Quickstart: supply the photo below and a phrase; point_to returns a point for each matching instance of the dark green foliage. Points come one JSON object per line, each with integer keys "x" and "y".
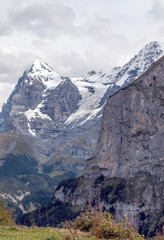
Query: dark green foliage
{"x": 119, "y": 193}
{"x": 20, "y": 173}
{"x": 68, "y": 184}
{"x": 142, "y": 216}
{"x": 105, "y": 192}
{"x": 113, "y": 190}
{"x": 17, "y": 165}
{"x": 50, "y": 215}
{"x": 48, "y": 169}
{"x": 99, "y": 180}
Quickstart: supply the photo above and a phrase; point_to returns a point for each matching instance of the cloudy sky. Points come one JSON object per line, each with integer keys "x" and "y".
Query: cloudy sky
{"x": 74, "y": 36}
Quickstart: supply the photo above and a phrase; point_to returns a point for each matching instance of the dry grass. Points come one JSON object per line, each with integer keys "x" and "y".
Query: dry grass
{"x": 159, "y": 236}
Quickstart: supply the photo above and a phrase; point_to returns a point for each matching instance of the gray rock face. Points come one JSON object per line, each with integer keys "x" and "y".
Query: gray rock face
{"x": 139, "y": 198}
{"x": 131, "y": 136}
{"x": 62, "y": 101}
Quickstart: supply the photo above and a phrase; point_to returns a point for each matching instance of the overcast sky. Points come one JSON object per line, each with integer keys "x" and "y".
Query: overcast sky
{"x": 74, "y": 36}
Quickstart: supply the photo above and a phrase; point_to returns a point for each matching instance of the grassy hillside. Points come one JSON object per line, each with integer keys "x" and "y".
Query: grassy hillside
{"x": 24, "y": 233}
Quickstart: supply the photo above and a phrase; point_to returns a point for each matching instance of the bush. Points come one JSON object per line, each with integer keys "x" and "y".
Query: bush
{"x": 159, "y": 236}
{"x": 101, "y": 225}
{"x": 6, "y": 215}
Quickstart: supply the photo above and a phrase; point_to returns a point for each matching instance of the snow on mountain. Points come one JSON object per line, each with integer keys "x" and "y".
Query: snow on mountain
{"x": 91, "y": 92}
{"x": 41, "y": 71}
{"x": 93, "y": 86}
{"x": 140, "y": 63}
{"x": 46, "y": 106}
{"x": 30, "y": 94}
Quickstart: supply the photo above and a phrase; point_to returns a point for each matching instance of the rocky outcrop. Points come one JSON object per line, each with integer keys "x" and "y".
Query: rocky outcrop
{"x": 140, "y": 199}
{"x": 62, "y": 101}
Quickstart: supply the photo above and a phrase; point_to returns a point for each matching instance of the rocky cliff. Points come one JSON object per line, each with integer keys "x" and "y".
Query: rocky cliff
{"x": 128, "y": 167}
{"x": 131, "y": 136}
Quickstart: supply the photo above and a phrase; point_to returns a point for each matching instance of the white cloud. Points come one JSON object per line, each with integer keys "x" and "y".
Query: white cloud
{"x": 74, "y": 36}
{"x": 155, "y": 20}
{"x": 157, "y": 11}
{"x": 5, "y": 91}
{"x": 13, "y": 62}
{"x": 42, "y": 18}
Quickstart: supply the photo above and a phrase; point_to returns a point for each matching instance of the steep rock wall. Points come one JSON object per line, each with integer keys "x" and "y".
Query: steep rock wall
{"x": 131, "y": 138}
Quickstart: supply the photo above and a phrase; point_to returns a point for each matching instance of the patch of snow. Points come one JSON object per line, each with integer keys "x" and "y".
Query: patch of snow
{"x": 22, "y": 195}
{"x": 92, "y": 115}
{"x": 100, "y": 116}
{"x": 36, "y": 113}
{"x": 22, "y": 208}
{"x": 30, "y": 130}
{"x": 33, "y": 207}
{"x": 32, "y": 114}
{"x": 40, "y": 71}
{"x": 90, "y": 101}
{"x": 122, "y": 79}
{"x": 17, "y": 197}
{"x": 8, "y": 196}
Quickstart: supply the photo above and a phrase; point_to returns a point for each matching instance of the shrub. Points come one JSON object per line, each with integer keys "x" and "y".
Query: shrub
{"x": 101, "y": 225}
{"x": 6, "y": 215}
{"x": 159, "y": 236}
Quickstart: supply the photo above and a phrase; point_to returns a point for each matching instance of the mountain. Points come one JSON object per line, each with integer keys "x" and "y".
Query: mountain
{"x": 53, "y": 122}
{"x": 128, "y": 167}
{"x": 55, "y": 113}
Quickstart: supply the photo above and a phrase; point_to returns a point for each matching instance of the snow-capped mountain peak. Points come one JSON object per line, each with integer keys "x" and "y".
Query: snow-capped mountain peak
{"x": 94, "y": 85}
{"x": 138, "y": 64}
{"x": 152, "y": 48}
{"x": 41, "y": 71}
{"x": 149, "y": 54}
{"x": 39, "y": 65}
